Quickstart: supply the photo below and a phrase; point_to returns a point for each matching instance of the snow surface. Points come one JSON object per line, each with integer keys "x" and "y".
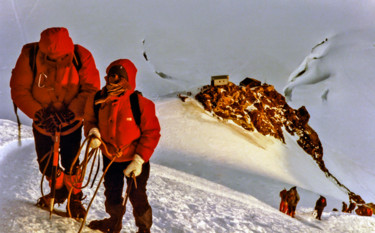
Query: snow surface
{"x": 207, "y": 175}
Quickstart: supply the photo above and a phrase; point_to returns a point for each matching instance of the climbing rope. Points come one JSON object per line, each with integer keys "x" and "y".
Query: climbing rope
{"x": 102, "y": 177}
{"x": 88, "y": 156}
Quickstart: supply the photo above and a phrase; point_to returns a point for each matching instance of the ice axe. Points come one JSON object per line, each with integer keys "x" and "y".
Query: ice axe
{"x": 127, "y": 193}
{"x": 128, "y": 188}
{"x": 55, "y": 163}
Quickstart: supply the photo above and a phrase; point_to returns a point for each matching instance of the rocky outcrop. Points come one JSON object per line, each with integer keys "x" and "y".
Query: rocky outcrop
{"x": 257, "y": 106}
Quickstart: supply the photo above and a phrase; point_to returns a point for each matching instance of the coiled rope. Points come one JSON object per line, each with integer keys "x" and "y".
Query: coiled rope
{"x": 88, "y": 156}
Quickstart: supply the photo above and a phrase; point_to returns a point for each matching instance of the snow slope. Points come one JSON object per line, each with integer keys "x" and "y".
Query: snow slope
{"x": 336, "y": 84}
{"x": 181, "y": 202}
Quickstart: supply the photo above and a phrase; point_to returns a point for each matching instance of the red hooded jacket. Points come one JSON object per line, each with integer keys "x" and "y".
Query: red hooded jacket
{"x": 116, "y": 123}
{"x": 55, "y": 83}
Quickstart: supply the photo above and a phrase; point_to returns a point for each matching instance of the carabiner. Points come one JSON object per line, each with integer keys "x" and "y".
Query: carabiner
{"x": 42, "y": 75}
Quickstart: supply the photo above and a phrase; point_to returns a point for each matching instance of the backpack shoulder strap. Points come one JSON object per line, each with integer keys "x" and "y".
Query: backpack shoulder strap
{"x": 96, "y": 106}
{"x": 134, "y": 102}
{"x": 32, "y": 57}
{"x": 76, "y": 59}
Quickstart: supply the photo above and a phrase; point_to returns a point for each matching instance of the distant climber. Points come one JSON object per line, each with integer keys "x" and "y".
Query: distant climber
{"x": 363, "y": 210}
{"x": 292, "y": 198}
{"x": 352, "y": 206}
{"x": 344, "y": 207}
{"x": 283, "y": 204}
{"x": 320, "y": 204}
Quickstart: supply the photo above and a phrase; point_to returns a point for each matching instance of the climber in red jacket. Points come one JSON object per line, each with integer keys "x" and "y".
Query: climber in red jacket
{"x": 283, "y": 203}
{"x": 129, "y": 143}
{"x": 320, "y": 204}
{"x": 50, "y": 84}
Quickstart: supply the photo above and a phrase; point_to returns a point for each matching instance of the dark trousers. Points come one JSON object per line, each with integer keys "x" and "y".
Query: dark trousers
{"x": 114, "y": 185}
{"x": 69, "y": 146}
{"x": 319, "y": 212}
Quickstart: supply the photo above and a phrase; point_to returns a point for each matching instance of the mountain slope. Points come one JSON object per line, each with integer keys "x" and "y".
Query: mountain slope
{"x": 244, "y": 161}
{"x": 180, "y": 201}
{"x": 335, "y": 83}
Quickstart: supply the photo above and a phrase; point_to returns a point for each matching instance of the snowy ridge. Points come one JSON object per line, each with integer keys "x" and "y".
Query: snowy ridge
{"x": 310, "y": 70}
{"x": 341, "y": 103}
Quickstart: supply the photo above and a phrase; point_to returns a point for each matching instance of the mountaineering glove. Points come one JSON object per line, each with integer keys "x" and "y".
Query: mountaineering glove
{"x": 65, "y": 116}
{"x": 135, "y": 166}
{"x": 46, "y": 120}
{"x": 95, "y": 142}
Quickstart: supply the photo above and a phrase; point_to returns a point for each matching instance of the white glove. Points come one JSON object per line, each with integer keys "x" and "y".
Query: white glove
{"x": 135, "y": 166}
{"x": 95, "y": 142}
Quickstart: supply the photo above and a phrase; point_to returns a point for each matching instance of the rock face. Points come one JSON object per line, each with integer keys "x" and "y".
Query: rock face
{"x": 257, "y": 106}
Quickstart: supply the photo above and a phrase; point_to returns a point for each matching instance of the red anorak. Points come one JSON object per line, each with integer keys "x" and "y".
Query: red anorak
{"x": 55, "y": 83}
{"x": 117, "y": 126}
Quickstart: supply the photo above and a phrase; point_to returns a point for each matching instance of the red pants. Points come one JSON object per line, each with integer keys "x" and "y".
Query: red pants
{"x": 283, "y": 207}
